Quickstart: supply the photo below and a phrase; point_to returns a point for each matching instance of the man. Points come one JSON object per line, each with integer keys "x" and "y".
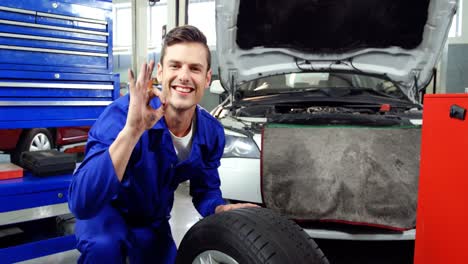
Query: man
{"x": 141, "y": 147}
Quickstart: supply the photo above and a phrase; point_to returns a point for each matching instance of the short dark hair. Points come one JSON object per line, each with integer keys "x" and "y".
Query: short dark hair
{"x": 182, "y": 34}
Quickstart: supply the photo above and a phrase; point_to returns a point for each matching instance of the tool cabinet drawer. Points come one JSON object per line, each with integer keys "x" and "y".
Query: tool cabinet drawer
{"x": 62, "y": 34}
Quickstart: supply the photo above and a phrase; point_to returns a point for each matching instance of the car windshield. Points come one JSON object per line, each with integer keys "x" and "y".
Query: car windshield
{"x": 328, "y": 83}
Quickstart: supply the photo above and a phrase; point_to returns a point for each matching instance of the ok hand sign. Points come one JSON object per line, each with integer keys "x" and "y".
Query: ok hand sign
{"x": 141, "y": 116}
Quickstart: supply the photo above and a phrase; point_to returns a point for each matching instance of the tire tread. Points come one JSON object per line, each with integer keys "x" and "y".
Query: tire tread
{"x": 270, "y": 237}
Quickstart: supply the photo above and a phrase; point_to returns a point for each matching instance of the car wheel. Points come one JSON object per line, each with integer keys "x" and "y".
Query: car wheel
{"x": 248, "y": 236}
{"x": 32, "y": 140}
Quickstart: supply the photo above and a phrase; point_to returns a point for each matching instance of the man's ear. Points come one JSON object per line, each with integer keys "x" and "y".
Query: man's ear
{"x": 159, "y": 73}
{"x": 208, "y": 78}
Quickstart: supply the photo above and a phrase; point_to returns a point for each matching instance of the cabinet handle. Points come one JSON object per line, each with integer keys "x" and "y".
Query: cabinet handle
{"x": 457, "y": 112}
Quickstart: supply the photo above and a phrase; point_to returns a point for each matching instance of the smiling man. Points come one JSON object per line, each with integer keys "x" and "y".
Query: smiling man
{"x": 143, "y": 145}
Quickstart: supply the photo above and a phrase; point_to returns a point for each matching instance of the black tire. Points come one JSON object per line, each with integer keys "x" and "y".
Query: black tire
{"x": 26, "y": 141}
{"x": 250, "y": 236}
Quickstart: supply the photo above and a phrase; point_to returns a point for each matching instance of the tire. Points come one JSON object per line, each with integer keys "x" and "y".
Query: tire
{"x": 32, "y": 140}
{"x": 248, "y": 236}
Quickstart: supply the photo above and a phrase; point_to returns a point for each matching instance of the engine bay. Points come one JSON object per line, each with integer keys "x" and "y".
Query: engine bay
{"x": 366, "y": 115}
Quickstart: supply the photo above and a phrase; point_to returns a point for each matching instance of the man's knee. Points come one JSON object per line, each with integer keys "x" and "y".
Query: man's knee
{"x": 102, "y": 249}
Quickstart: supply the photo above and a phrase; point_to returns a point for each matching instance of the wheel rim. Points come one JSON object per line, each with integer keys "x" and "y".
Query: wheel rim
{"x": 214, "y": 257}
{"x": 39, "y": 142}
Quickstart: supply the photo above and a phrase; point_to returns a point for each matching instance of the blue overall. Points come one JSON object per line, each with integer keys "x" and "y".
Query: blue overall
{"x": 124, "y": 219}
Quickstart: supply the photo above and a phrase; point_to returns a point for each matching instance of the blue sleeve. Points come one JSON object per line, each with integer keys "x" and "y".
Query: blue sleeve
{"x": 95, "y": 182}
{"x": 205, "y": 188}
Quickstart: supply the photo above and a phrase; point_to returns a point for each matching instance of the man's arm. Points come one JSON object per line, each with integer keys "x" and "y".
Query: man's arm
{"x": 121, "y": 150}
{"x": 141, "y": 116}
{"x": 205, "y": 189}
{"x": 95, "y": 181}
{"x": 110, "y": 145}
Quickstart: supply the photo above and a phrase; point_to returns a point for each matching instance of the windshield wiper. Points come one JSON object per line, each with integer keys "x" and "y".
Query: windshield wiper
{"x": 329, "y": 91}
{"x": 356, "y": 91}
{"x": 402, "y": 105}
{"x": 291, "y": 91}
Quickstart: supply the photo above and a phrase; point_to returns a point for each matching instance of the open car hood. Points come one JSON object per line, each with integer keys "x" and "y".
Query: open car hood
{"x": 397, "y": 39}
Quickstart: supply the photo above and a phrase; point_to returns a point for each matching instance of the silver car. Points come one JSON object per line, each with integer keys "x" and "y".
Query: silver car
{"x": 323, "y": 109}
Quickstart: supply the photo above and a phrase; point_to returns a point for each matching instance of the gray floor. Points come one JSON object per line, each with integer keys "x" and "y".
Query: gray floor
{"x": 183, "y": 214}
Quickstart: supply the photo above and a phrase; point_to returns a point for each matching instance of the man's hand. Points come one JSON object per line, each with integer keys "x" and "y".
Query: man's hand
{"x": 141, "y": 116}
{"x": 227, "y": 207}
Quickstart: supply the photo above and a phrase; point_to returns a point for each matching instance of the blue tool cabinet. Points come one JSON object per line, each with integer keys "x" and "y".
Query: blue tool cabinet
{"x": 56, "y": 70}
{"x": 30, "y": 199}
{"x": 56, "y": 64}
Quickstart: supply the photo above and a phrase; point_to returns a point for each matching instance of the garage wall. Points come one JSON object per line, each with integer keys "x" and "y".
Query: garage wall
{"x": 457, "y": 68}
{"x": 453, "y": 67}
{"x": 463, "y": 38}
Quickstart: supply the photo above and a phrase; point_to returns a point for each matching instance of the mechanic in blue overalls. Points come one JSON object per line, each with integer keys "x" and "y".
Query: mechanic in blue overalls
{"x": 140, "y": 149}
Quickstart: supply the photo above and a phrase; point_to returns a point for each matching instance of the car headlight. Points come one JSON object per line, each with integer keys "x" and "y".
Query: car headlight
{"x": 240, "y": 147}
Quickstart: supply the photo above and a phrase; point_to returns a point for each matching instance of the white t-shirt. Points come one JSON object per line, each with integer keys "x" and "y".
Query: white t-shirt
{"x": 183, "y": 145}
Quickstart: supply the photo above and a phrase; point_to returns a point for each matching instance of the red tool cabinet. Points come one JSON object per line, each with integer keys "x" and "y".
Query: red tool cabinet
{"x": 442, "y": 213}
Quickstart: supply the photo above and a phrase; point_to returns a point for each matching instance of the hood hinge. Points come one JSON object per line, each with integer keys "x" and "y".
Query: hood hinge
{"x": 415, "y": 73}
{"x": 232, "y": 82}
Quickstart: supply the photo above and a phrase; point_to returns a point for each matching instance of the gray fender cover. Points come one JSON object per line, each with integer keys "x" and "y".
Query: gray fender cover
{"x": 358, "y": 175}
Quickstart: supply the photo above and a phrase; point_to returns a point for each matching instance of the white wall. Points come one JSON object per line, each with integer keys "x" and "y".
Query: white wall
{"x": 462, "y": 39}
{"x": 464, "y": 22}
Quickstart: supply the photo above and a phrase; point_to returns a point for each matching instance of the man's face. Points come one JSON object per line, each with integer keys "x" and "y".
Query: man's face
{"x": 184, "y": 75}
